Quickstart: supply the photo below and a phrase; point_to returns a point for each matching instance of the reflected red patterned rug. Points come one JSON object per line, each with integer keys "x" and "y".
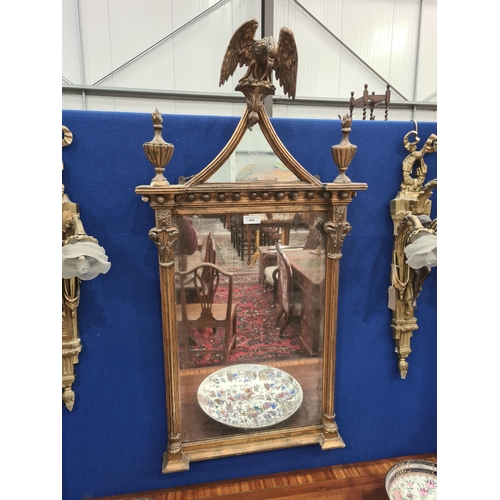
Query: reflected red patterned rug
{"x": 257, "y": 335}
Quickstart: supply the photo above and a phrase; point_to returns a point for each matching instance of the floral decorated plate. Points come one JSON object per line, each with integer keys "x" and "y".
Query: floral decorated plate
{"x": 249, "y": 396}
{"x": 412, "y": 479}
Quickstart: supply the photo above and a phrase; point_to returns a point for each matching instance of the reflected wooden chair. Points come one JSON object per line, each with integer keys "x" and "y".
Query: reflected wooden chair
{"x": 270, "y": 273}
{"x": 269, "y": 267}
{"x": 246, "y": 241}
{"x": 204, "y": 312}
{"x": 238, "y": 229}
{"x": 270, "y": 235}
{"x": 210, "y": 250}
{"x": 194, "y": 260}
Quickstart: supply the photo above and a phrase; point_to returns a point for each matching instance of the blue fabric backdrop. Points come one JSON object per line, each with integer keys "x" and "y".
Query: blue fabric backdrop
{"x": 114, "y": 438}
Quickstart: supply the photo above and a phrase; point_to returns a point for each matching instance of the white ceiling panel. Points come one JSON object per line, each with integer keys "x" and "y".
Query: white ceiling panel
{"x": 183, "y": 12}
{"x": 71, "y": 65}
{"x": 423, "y": 115}
{"x": 136, "y": 26}
{"x": 72, "y": 101}
{"x": 404, "y": 46}
{"x": 327, "y": 68}
{"x": 241, "y": 11}
{"x": 197, "y": 50}
{"x": 154, "y": 70}
{"x": 329, "y": 13}
{"x": 366, "y": 30}
{"x": 427, "y": 68}
{"x": 318, "y": 72}
{"x": 95, "y": 40}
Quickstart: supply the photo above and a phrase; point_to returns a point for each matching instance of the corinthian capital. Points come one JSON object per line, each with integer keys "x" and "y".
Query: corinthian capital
{"x": 164, "y": 239}
{"x": 335, "y": 233}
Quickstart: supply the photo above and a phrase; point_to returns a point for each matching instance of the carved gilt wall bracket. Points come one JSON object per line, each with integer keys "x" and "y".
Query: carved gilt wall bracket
{"x": 415, "y": 244}
{"x": 82, "y": 259}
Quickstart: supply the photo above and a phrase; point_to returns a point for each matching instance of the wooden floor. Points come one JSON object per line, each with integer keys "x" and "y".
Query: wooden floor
{"x": 359, "y": 481}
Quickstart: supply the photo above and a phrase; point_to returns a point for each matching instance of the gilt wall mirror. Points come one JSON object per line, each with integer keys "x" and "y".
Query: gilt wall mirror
{"x": 249, "y": 251}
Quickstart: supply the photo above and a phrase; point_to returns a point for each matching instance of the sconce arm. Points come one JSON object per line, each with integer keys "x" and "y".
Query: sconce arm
{"x": 417, "y": 224}
{"x": 418, "y": 227}
{"x": 74, "y": 230}
{"x": 424, "y": 196}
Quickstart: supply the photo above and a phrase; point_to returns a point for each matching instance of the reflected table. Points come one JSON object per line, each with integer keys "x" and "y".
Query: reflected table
{"x": 282, "y": 223}
{"x": 308, "y": 269}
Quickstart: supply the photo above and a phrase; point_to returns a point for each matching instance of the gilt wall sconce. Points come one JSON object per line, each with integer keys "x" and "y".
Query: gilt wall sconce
{"x": 82, "y": 259}
{"x": 415, "y": 243}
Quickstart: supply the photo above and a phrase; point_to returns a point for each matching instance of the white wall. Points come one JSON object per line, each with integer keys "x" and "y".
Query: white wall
{"x": 355, "y": 42}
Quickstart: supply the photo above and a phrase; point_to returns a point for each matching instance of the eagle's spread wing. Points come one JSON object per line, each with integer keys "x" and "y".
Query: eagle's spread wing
{"x": 239, "y": 50}
{"x": 286, "y": 62}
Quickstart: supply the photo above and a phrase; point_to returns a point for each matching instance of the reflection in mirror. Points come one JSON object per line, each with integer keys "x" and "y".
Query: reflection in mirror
{"x": 253, "y": 159}
{"x": 249, "y": 290}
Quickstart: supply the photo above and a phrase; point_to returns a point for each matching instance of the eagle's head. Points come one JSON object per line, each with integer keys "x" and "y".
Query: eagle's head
{"x": 261, "y": 49}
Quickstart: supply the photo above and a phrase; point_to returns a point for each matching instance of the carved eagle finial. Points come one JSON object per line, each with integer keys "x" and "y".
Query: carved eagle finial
{"x": 262, "y": 57}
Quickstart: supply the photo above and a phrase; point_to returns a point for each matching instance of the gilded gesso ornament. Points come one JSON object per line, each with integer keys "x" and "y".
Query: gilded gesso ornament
{"x": 339, "y": 213}
{"x": 262, "y": 57}
{"x": 164, "y": 239}
{"x": 158, "y": 151}
{"x": 414, "y": 176}
{"x": 67, "y": 136}
{"x": 410, "y": 212}
{"x": 163, "y": 218}
{"x": 336, "y": 233}
{"x": 77, "y": 248}
{"x": 344, "y": 151}
{"x": 71, "y": 345}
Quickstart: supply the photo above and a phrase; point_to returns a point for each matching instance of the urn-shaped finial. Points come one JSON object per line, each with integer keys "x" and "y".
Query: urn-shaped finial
{"x": 344, "y": 151}
{"x": 158, "y": 151}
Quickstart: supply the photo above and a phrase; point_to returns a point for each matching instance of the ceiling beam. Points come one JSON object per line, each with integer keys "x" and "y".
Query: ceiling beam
{"x": 94, "y": 90}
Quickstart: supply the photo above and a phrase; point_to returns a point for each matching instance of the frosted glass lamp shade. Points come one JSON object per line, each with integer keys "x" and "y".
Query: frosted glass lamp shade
{"x": 422, "y": 251}
{"x": 84, "y": 259}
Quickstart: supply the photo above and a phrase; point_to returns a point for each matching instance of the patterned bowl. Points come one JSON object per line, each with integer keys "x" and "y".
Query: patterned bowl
{"x": 412, "y": 479}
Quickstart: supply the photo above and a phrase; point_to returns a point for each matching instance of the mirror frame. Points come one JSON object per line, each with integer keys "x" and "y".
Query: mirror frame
{"x": 196, "y": 197}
